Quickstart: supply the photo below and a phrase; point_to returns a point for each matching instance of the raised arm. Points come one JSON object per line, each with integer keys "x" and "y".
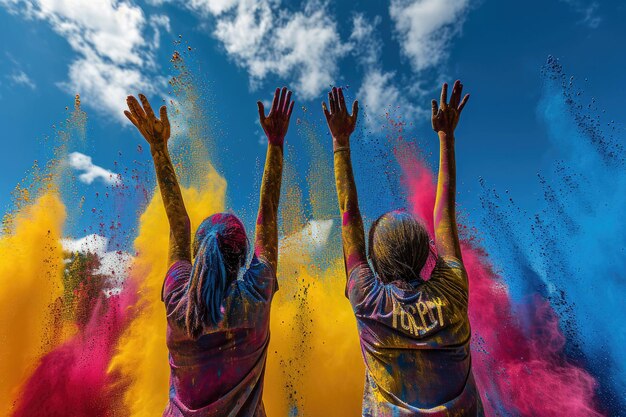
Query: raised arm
{"x": 445, "y": 119}
{"x": 157, "y": 132}
{"x": 341, "y": 125}
{"x": 275, "y": 126}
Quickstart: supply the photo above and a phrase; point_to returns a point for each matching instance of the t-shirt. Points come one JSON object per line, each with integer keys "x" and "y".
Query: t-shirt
{"x": 415, "y": 343}
{"x": 220, "y": 373}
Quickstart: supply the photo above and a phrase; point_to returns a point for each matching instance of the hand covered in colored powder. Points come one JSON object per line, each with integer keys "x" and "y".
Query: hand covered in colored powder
{"x": 340, "y": 123}
{"x": 446, "y": 117}
{"x": 156, "y": 131}
{"x": 276, "y": 123}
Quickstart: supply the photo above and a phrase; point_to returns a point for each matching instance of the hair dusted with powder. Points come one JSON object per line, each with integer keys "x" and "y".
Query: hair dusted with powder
{"x": 220, "y": 248}
{"x": 399, "y": 246}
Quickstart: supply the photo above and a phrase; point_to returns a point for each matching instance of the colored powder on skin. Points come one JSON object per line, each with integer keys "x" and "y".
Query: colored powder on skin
{"x": 142, "y": 355}
{"x": 31, "y": 264}
{"x": 520, "y": 371}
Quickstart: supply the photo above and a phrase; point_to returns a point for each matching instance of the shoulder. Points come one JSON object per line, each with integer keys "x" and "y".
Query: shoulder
{"x": 450, "y": 276}
{"x": 178, "y": 270}
{"x": 452, "y": 262}
{"x": 176, "y": 277}
{"x": 362, "y": 283}
{"x": 360, "y": 270}
{"x": 260, "y": 265}
{"x": 181, "y": 266}
{"x": 260, "y": 279}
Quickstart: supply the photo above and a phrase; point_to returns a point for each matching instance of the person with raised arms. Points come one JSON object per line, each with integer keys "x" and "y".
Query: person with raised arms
{"x": 414, "y": 333}
{"x": 217, "y": 323}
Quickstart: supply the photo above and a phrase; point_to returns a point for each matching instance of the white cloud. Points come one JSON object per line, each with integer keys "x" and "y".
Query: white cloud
{"x": 588, "y": 10}
{"x": 215, "y": 7}
{"x": 425, "y": 28}
{"x": 91, "y": 243}
{"x": 82, "y": 162}
{"x": 113, "y": 264}
{"x": 109, "y": 37}
{"x": 264, "y": 39}
{"x": 381, "y": 95}
{"x": 367, "y": 45}
{"x": 105, "y": 85}
{"x": 302, "y": 46}
{"x": 21, "y": 78}
{"x": 308, "y": 241}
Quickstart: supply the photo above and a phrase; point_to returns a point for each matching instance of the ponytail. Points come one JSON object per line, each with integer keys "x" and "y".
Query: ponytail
{"x": 219, "y": 249}
{"x": 207, "y": 286}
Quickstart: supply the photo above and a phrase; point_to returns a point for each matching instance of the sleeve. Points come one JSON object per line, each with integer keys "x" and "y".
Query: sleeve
{"x": 260, "y": 279}
{"x": 450, "y": 278}
{"x": 362, "y": 285}
{"x": 175, "y": 284}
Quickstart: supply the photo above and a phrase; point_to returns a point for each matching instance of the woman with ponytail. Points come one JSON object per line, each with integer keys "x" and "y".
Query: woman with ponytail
{"x": 217, "y": 322}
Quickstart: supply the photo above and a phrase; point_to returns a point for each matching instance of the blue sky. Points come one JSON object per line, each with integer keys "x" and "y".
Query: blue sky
{"x": 391, "y": 54}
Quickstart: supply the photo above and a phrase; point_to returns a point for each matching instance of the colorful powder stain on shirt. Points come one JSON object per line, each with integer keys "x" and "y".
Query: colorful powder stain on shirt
{"x": 416, "y": 343}
{"x": 221, "y": 372}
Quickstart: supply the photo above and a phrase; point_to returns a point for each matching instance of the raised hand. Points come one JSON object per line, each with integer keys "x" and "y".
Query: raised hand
{"x": 276, "y": 123}
{"x": 446, "y": 117}
{"x": 340, "y": 123}
{"x": 156, "y": 131}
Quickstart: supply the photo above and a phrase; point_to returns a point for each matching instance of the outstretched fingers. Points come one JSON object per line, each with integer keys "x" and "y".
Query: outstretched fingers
{"x": 135, "y": 108}
{"x": 131, "y": 118}
{"x": 281, "y": 102}
{"x": 435, "y": 107}
{"x": 331, "y": 103}
{"x": 336, "y": 99}
{"x": 355, "y": 110}
{"x": 275, "y": 101}
{"x": 165, "y": 121}
{"x": 261, "y": 110}
{"x": 455, "y": 97}
{"x": 287, "y": 102}
{"x": 342, "y": 100}
{"x": 326, "y": 112}
{"x": 147, "y": 107}
{"x": 444, "y": 96}
{"x": 463, "y": 103}
{"x": 290, "y": 110}
{"x": 163, "y": 115}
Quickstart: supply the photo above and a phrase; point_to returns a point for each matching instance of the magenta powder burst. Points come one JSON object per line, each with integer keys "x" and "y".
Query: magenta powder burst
{"x": 520, "y": 368}
{"x": 73, "y": 379}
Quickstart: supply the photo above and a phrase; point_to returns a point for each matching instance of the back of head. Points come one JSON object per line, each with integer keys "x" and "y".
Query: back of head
{"x": 220, "y": 249}
{"x": 399, "y": 246}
